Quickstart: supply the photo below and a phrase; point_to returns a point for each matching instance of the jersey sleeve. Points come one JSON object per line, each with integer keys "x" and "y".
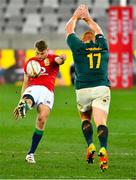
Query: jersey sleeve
{"x": 53, "y": 56}
{"x": 101, "y": 41}
{"x": 52, "y": 59}
{"x": 74, "y": 42}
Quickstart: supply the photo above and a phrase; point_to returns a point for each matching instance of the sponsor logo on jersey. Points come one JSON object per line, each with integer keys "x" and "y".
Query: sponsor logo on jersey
{"x": 43, "y": 71}
{"x": 94, "y": 49}
{"x": 46, "y": 62}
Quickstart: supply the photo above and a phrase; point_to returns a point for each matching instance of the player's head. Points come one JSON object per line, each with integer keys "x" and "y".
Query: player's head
{"x": 88, "y": 36}
{"x": 41, "y": 49}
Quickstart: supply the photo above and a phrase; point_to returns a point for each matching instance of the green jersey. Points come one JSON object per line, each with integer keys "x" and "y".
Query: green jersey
{"x": 91, "y": 61}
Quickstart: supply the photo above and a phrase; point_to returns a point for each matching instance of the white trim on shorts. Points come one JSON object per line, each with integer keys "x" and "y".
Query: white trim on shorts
{"x": 41, "y": 95}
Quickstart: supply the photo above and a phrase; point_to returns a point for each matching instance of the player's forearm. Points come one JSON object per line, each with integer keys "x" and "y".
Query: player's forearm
{"x": 60, "y": 59}
{"x": 71, "y": 24}
{"x": 24, "y": 85}
{"x": 94, "y": 26}
{"x": 23, "y": 88}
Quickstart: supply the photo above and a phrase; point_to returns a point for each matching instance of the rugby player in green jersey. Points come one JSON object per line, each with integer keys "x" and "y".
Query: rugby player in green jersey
{"x": 91, "y": 55}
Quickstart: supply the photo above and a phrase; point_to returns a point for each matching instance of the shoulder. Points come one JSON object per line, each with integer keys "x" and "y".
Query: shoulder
{"x": 101, "y": 41}
{"x": 32, "y": 58}
{"x": 73, "y": 41}
{"x": 100, "y": 37}
{"x": 52, "y": 56}
{"x": 71, "y": 36}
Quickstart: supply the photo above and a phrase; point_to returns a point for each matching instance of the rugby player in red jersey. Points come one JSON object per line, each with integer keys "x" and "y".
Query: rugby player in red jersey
{"x": 39, "y": 92}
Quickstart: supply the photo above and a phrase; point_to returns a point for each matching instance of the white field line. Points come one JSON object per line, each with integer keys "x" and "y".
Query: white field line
{"x": 64, "y": 178}
{"x": 68, "y": 152}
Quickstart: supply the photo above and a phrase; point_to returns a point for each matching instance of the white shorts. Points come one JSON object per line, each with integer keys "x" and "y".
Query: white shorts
{"x": 98, "y": 97}
{"x": 41, "y": 95}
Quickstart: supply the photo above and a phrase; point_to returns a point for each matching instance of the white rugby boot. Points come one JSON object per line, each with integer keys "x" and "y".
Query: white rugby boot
{"x": 30, "y": 158}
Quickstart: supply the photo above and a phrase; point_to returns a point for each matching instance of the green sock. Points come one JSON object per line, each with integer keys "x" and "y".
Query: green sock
{"x": 35, "y": 140}
{"x": 102, "y": 132}
{"x": 87, "y": 131}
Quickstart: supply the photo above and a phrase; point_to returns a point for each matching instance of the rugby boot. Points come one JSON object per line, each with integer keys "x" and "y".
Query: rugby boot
{"x": 90, "y": 154}
{"x": 103, "y": 159}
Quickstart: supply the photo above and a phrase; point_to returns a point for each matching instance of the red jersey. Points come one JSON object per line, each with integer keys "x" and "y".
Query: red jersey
{"x": 49, "y": 71}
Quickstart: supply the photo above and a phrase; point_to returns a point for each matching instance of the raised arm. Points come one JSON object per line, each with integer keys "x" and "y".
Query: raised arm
{"x": 91, "y": 23}
{"x": 71, "y": 24}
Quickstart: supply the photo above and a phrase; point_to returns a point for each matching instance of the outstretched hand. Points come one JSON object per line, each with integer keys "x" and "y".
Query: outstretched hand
{"x": 63, "y": 56}
{"x": 85, "y": 15}
{"x": 80, "y": 11}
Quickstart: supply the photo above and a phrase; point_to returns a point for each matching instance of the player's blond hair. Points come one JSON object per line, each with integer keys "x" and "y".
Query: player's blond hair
{"x": 92, "y": 35}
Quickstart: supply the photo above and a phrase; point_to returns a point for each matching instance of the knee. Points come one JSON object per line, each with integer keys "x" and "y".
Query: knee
{"x": 85, "y": 117}
{"x": 101, "y": 122}
{"x": 29, "y": 99}
{"x": 41, "y": 121}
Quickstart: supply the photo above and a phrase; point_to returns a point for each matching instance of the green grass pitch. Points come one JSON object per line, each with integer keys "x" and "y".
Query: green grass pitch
{"x": 61, "y": 153}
